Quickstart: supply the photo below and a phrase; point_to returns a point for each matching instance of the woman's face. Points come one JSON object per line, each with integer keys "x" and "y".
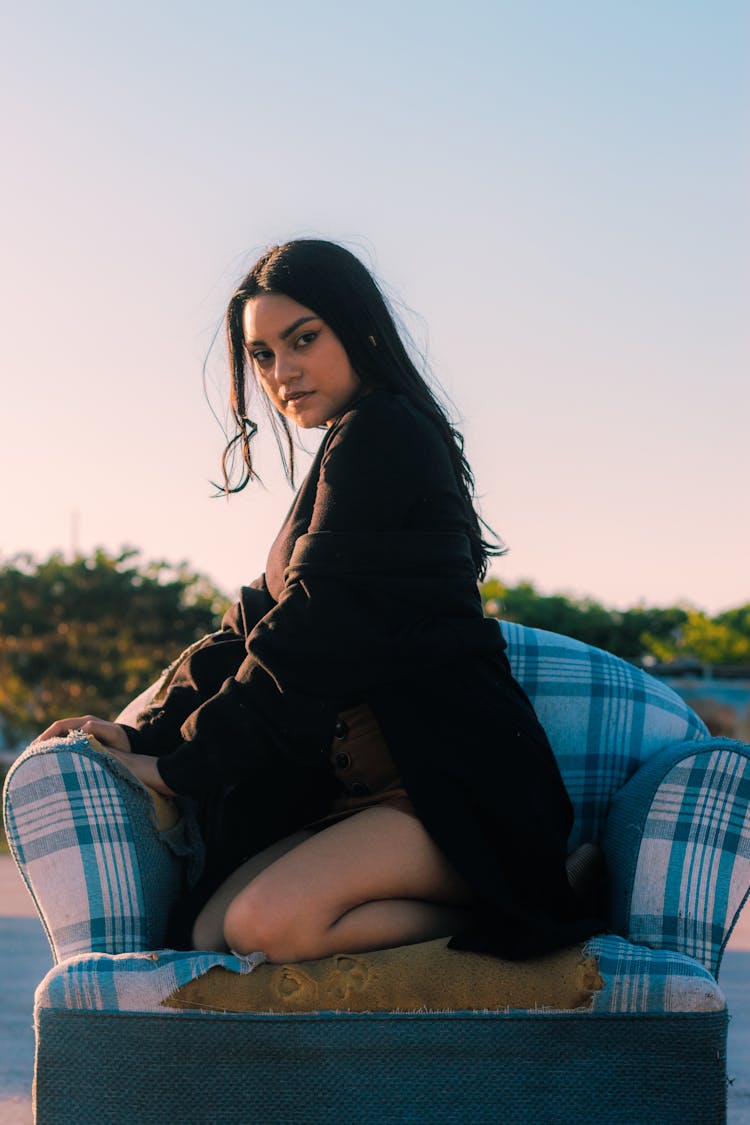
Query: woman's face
{"x": 299, "y": 362}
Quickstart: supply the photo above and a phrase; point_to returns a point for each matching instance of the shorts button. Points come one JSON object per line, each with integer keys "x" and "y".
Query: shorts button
{"x": 342, "y": 761}
{"x": 341, "y": 729}
{"x": 359, "y": 789}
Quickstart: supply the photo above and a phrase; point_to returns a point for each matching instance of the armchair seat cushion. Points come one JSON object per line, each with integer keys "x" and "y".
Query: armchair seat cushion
{"x": 412, "y": 978}
{"x": 606, "y": 976}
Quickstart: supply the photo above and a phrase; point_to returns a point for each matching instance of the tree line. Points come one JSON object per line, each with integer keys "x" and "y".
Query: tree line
{"x": 88, "y": 634}
{"x": 643, "y": 634}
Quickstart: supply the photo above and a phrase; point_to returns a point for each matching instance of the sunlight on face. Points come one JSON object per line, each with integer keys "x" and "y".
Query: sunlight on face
{"x": 299, "y": 362}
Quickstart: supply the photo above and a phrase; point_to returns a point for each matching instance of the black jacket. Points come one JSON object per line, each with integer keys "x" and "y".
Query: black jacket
{"x": 370, "y": 594}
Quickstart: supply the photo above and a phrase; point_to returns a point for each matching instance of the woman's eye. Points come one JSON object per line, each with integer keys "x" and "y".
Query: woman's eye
{"x": 305, "y": 339}
{"x": 261, "y": 356}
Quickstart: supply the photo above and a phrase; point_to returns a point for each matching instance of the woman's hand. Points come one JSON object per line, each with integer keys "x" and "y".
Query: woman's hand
{"x": 145, "y": 769}
{"x": 109, "y": 734}
{"x": 114, "y": 740}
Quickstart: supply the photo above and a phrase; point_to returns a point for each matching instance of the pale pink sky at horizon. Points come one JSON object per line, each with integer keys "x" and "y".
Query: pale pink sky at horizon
{"x": 560, "y": 191}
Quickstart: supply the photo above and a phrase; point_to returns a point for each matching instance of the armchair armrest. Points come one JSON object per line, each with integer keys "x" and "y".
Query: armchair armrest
{"x": 83, "y": 830}
{"x": 677, "y": 847}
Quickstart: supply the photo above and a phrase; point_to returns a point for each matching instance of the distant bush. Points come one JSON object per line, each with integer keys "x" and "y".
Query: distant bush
{"x": 672, "y": 633}
{"x": 87, "y": 636}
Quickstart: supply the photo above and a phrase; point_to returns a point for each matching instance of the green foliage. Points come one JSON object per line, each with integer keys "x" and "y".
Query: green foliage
{"x": 674, "y": 633}
{"x": 87, "y": 636}
{"x": 724, "y": 639}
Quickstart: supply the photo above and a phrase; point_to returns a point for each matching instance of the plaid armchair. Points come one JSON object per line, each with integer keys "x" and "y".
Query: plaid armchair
{"x": 128, "y": 1030}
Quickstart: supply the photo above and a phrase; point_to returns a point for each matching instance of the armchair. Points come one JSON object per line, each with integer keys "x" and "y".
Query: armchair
{"x": 630, "y": 1028}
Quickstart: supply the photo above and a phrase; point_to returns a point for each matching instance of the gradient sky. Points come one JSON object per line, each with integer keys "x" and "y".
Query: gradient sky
{"x": 558, "y": 190}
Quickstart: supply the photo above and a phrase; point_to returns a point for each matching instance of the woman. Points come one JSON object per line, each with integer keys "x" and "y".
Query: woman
{"x": 355, "y": 729}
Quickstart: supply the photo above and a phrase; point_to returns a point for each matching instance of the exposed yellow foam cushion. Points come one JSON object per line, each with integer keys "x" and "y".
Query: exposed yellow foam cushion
{"x": 428, "y": 976}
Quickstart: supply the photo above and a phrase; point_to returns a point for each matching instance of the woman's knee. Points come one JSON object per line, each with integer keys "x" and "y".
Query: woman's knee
{"x": 256, "y": 920}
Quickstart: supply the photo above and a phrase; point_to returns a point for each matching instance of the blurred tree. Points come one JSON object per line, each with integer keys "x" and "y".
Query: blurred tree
{"x": 87, "y": 636}
{"x": 644, "y": 626}
{"x": 738, "y": 620}
{"x": 724, "y": 639}
{"x": 632, "y": 633}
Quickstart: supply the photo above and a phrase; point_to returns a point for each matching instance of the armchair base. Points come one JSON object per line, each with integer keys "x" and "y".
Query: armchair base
{"x": 101, "y": 1068}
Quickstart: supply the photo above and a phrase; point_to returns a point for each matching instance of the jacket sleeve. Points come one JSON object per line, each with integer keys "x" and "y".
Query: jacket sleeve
{"x": 332, "y": 630}
{"x": 199, "y": 676}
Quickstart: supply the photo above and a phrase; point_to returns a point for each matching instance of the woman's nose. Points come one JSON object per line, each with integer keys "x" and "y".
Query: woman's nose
{"x": 287, "y": 367}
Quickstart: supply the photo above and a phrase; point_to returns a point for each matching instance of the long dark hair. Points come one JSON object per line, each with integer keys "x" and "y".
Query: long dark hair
{"x": 337, "y": 287}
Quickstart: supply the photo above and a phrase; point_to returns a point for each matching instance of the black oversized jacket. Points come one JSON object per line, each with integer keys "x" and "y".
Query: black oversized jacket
{"x": 370, "y": 595}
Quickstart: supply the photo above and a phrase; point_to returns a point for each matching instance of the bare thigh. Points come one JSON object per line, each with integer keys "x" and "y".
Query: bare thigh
{"x": 372, "y": 880}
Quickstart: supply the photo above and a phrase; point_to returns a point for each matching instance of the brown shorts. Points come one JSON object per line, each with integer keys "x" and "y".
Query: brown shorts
{"x": 365, "y": 772}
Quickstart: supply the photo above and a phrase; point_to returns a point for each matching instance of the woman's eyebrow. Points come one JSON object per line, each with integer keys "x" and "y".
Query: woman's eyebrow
{"x": 285, "y": 332}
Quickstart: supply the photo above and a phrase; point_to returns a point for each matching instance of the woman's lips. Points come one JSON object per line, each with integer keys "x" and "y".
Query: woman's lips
{"x": 292, "y": 400}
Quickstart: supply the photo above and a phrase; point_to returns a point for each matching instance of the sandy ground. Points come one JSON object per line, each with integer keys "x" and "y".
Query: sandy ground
{"x": 23, "y": 944}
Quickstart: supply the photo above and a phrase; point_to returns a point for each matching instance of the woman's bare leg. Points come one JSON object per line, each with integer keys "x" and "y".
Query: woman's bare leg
{"x": 208, "y": 928}
{"x": 372, "y": 881}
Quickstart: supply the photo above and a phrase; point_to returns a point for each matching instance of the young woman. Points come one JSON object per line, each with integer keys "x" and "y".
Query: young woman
{"x": 368, "y": 772}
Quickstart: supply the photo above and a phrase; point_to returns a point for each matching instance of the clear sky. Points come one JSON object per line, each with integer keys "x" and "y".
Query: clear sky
{"x": 558, "y": 189}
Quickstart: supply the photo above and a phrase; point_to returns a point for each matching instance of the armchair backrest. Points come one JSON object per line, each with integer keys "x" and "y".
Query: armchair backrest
{"x": 603, "y": 716}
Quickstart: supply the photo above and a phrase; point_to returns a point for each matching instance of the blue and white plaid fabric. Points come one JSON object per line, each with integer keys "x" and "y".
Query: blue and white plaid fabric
{"x": 82, "y": 833}
{"x": 603, "y": 716}
{"x": 647, "y": 981}
{"x": 132, "y": 982}
{"x": 682, "y": 826}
